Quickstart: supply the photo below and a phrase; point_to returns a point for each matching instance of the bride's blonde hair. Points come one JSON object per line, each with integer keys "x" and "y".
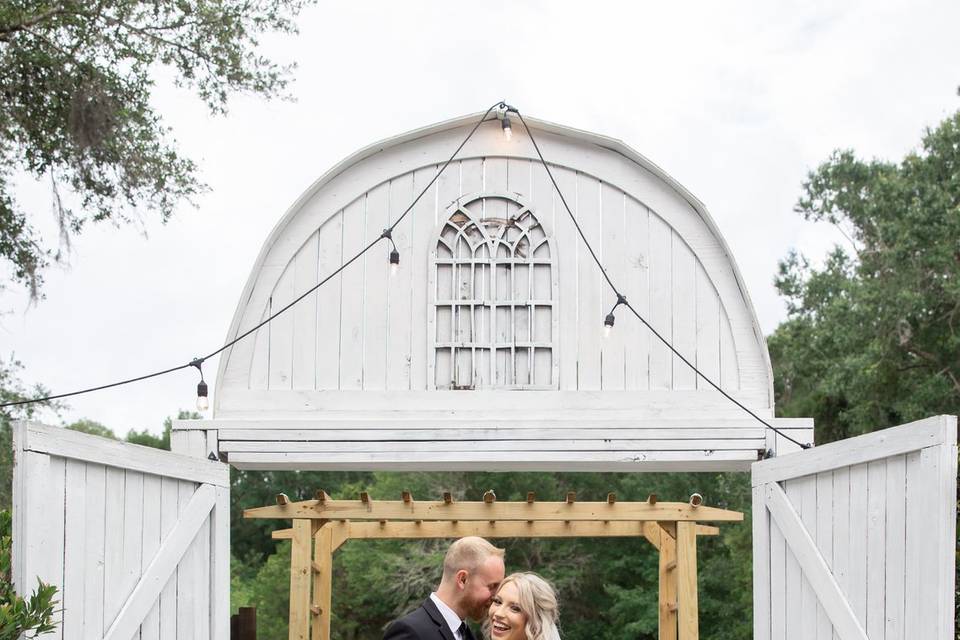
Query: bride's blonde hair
{"x": 538, "y": 602}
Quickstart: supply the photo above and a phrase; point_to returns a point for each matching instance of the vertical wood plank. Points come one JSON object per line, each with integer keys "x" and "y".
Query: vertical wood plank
{"x": 150, "y": 628}
{"x": 895, "y": 541}
{"x": 761, "y": 565}
{"x": 841, "y": 530}
{"x": 612, "y": 223}
{"x": 260, "y": 360}
{"x": 280, "y": 330}
{"x": 401, "y": 284}
{"x": 352, "y": 298}
{"x": 187, "y": 578}
{"x": 793, "y": 578}
{"x": 323, "y": 583}
{"x": 132, "y": 534}
{"x": 300, "y": 556}
{"x": 807, "y": 490}
{"x": 590, "y": 284}
{"x": 729, "y": 367}
{"x": 947, "y": 526}
{"x": 876, "y": 546}
{"x": 567, "y": 261}
{"x": 668, "y": 587}
{"x": 75, "y": 548}
{"x": 913, "y": 572}
{"x": 637, "y": 289}
{"x": 94, "y": 556}
{"x": 684, "y": 313}
{"x": 778, "y": 584}
{"x": 304, "y": 315}
{"x": 708, "y": 328}
{"x": 220, "y": 566}
{"x": 113, "y": 570}
{"x": 687, "y": 602}
{"x": 857, "y": 549}
{"x": 423, "y": 231}
{"x": 661, "y": 303}
{"x": 377, "y": 272}
{"x": 927, "y": 600}
{"x": 202, "y": 563}
{"x": 328, "y": 303}
{"x": 824, "y": 540}
{"x": 169, "y": 515}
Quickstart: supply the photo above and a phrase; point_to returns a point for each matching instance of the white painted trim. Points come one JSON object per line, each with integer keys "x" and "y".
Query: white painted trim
{"x": 815, "y": 569}
{"x": 494, "y": 447}
{"x": 171, "y": 550}
{"x": 947, "y": 500}
{"x": 872, "y": 446}
{"x": 502, "y": 461}
{"x": 65, "y": 443}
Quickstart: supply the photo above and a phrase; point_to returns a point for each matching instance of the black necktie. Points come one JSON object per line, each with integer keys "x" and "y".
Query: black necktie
{"x": 464, "y": 631}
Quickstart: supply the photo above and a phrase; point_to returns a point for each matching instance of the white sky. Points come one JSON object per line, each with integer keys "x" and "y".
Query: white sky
{"x": 736, "y": 100}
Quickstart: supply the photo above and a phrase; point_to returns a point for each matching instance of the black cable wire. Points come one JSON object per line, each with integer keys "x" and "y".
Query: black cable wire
{"x": 621, "y": 300}
{"x": 197, "y": 362}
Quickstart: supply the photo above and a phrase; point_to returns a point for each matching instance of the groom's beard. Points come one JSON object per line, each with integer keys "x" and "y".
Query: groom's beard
{"x": 478, "y": 612}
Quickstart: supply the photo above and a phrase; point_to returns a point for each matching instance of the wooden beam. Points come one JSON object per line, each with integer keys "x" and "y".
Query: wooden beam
{"x": 509, "y": 529}
{"x": 668, "y": 586}
{"x": 688, "y": 623}
{"x": 300, "y": 573}
{"x": 397, "y": 510}
{"x": 322, "y": 582}
{"x": 282, "y": 499}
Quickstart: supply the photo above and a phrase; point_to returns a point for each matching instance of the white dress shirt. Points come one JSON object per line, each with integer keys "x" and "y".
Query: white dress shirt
{"x": 449, "y": 615}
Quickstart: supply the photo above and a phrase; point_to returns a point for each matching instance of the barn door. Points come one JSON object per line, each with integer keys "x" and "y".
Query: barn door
{"x": 135, "y": 539}
{"x": 855, "y": 540}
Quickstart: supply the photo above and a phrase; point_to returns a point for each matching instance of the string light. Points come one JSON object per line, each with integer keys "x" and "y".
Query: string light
{"x": 505, "y": 120}
{"x": 394, "y": 254}
{"x": 203, "y": 402}
{"x": 610, "y": 319}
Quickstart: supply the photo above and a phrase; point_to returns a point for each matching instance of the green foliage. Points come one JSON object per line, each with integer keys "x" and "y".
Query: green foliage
{"x": 93, "y": 428}
{"x": 32, "y": 616}
{"x": 871, "y": 338}
{"x": 77, "y": 79}
{"x": 608, "y": 586}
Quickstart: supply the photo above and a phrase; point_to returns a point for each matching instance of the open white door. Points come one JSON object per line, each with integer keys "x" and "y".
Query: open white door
{"x": 855, "y": 540}
{"x": 136, "y": 539}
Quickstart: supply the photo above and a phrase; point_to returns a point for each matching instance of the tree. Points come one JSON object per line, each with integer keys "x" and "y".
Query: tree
{"x": 871, "y": 339}
{"x": 76, "y": 79}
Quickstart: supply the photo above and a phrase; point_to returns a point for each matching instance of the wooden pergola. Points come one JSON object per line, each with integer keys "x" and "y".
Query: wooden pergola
{"x": 322, "y": 525}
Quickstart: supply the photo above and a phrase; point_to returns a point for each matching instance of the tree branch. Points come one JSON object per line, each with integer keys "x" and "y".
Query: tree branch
{"x": 7, "y": 30}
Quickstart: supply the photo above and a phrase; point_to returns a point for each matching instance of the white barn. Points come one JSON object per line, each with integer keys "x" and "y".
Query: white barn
{"x": 486, "y": 351}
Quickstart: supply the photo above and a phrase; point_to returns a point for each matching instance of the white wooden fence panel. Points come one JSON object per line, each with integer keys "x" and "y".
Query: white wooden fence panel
{"x": 92, "y": 519}
{"x": 854, "y": 540}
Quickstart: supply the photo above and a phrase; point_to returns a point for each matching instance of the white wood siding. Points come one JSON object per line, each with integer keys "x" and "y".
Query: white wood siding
{"x": 854, "y": 540}
{"x": 104, "y": 522}
{"x": 366, "y": 331}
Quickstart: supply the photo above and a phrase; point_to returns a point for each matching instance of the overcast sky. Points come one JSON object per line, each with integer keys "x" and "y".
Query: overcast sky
{"x": 738, "y": 101}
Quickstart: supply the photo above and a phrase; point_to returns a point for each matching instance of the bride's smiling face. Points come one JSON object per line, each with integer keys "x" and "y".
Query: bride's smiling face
{"x": 507, "y": 619}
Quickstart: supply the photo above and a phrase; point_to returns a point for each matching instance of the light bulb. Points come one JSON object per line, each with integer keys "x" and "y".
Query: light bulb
{"x": 608, "y": 324}
{"x": 202, "y": 401}
{"x": 507, "y": 130}
{"x": 394, "y": 262}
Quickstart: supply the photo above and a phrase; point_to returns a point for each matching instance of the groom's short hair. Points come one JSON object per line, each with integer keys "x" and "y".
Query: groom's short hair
{"x": 468, "y": 553}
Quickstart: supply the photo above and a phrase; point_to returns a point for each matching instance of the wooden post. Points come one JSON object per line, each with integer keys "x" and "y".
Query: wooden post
{"x": 668, "y": 585}
{"x": 300, "y": 571}
{"x": 323, "y": 582}
{"x": 688, "y": 621}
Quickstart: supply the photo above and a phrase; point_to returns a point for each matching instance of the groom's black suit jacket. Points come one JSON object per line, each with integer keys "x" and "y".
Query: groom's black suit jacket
{"x": 423, "y": 623}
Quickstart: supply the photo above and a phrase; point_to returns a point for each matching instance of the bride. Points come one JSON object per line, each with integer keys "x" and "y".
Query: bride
{"x": 525, "y": 608}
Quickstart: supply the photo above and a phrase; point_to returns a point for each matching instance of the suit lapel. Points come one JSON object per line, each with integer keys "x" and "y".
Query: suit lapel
{"x": 437, "y": 618}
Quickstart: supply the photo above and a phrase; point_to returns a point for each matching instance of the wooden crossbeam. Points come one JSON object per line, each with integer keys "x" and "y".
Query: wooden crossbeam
{"x": 344, "y": 531}
{"x": 500, "y": 511}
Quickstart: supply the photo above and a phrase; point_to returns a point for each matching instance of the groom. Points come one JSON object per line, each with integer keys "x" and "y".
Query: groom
{"x": 472, "y": 571}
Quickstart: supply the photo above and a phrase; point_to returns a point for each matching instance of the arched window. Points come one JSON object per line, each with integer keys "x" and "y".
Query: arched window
{"x": 493, "y": 298}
